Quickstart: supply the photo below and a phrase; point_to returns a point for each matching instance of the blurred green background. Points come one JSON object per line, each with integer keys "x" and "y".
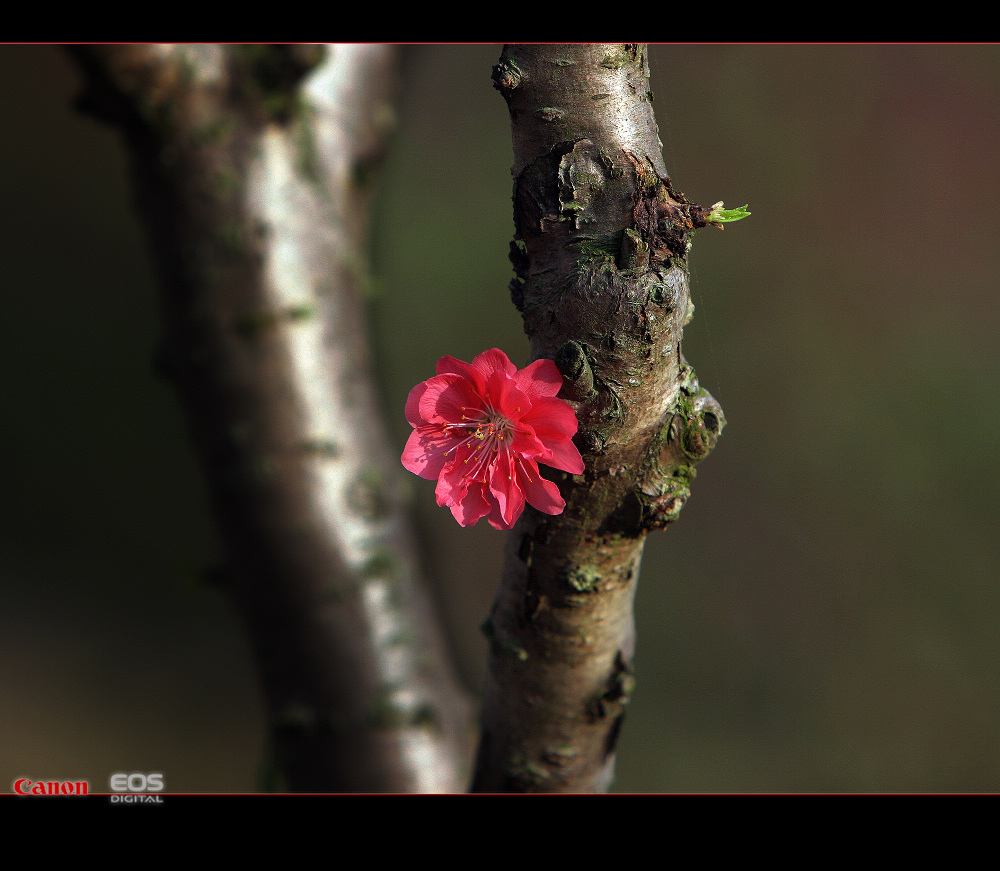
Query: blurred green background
{"x": 823, "y": 617}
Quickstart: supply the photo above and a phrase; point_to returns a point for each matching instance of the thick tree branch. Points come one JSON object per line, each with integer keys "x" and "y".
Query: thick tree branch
{"x": 252, "y": 167}
{"x": 602, "y": 283}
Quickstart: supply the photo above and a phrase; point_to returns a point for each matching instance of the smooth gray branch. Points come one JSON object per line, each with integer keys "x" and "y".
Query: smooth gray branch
{"x": 252, "y": 167}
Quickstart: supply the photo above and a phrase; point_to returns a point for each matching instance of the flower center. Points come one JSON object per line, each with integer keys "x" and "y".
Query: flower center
{"x": 493, "y": 427}
{"x": 486, "y": 437}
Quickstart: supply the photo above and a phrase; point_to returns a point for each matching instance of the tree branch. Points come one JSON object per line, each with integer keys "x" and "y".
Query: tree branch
{"x": 252, "y": 168}
{"x": 600, "y": 254}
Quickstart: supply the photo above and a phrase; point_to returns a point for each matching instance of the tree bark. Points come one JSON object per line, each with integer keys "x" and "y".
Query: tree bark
{"x": 600, "y": 256}
{"x": 252, "y": 167}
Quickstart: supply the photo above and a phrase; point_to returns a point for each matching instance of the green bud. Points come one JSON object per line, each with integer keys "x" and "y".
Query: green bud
{"x": 719, "y": 215}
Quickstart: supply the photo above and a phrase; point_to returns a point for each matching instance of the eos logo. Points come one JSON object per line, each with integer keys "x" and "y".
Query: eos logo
{"x": 137, "y": 782}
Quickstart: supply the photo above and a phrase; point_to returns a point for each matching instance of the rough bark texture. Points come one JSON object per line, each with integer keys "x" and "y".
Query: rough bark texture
{"x": 602, "y": 283}
{"x": 252, "y": 167}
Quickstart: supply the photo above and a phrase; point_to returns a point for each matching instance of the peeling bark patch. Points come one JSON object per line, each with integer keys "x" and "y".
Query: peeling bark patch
{"x": 662, "y": 216}
{"x": 581, "y": 183}
{"x": 506, "y": 77}
{"x": 536, "y": 192}
{"x": 550, "y": 113}
{"x": 634, "y": 252}
{"x": 621, "y": 683}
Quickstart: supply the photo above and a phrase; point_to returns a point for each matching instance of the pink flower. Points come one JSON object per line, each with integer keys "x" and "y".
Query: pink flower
{"x": 482, "y": 428}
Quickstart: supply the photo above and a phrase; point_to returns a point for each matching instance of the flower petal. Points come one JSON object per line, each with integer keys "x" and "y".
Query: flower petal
{"x": 551, "y": 414}
{"x": 541, "y": 378}
{"x": 505, "y": 397}
{"x": 467, "y": 498}
{"x": 563, "y": 454}
{"x": 451, "y": 366}
{"x": 472, "y": 508}
{"x": 504, "y": 488}
{"x": 449, "y": 400}
{"x": 540, "y": 493}
{"x": 425, "y": 451}
{"x": 413, "y": 405}
{"x": 554, "y": 423}
{"x": 496, "y": 520}
{"x": 492, "y": 361}
{"x": 525, "y": 443}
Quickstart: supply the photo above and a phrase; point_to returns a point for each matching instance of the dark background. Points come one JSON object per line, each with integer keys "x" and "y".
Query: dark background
{"x": 823, "y": 617}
